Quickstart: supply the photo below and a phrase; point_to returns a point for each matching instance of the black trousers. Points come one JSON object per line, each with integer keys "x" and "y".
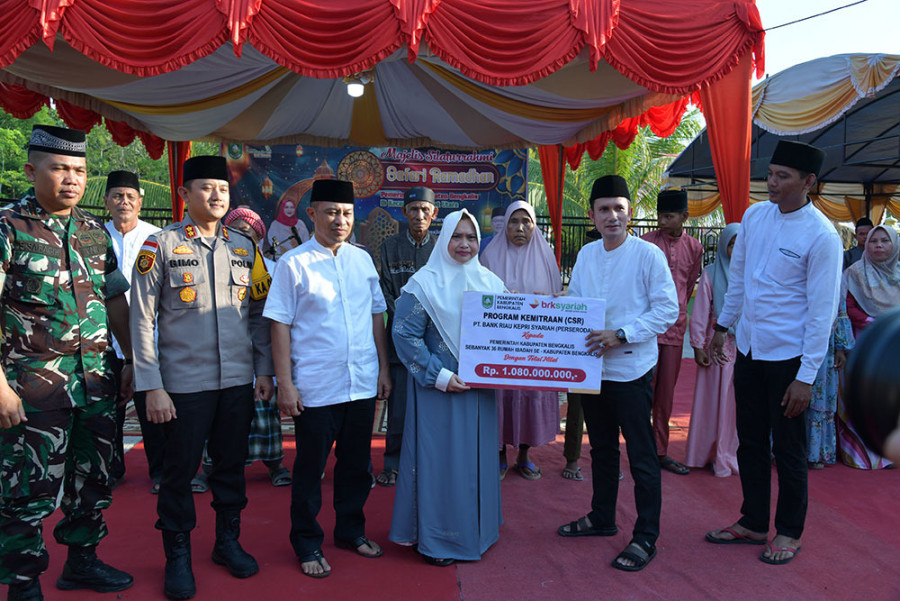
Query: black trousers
{"x": 396, "y": 405}
{"x": 624, "y": 405}
{"x": 154, "y": 439}
{"x": 759, "y": 388}
{"x": 347, "y": 426}
{"x": 221, "y": 417}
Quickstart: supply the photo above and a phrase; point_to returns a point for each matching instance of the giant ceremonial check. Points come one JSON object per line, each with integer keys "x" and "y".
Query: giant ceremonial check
{"x": 529, "y": 341}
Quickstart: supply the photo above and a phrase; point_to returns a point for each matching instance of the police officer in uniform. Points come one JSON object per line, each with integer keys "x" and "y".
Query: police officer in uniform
{"x": 59, "y": 288}
{"x": 202, "y": 286}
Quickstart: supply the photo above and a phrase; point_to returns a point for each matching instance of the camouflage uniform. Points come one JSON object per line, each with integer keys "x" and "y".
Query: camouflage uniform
{"x": 55, "y": 276}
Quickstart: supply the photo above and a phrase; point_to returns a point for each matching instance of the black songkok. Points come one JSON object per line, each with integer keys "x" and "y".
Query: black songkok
{"x": 57, "y": 140}
{"x": 205, "y": 167}
{"x": 332, "y": 190}
{"x": 671, "y": 201}
{"x": 610, "y": 186}
{"x": 864, "y": 221}
{"x": 417, "y": 194}
{"x": 799, "y": 156}
{"x": 122, "y": 179}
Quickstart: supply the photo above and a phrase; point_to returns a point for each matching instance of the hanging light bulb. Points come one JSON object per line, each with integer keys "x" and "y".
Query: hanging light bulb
{"x": 355, "y": 88}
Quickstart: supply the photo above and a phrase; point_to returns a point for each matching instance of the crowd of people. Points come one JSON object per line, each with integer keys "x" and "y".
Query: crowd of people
{"x": 322, "y": 334}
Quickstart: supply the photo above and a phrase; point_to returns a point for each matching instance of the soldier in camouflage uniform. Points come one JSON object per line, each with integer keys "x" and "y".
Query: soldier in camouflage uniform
{"x": 59, "y": 288}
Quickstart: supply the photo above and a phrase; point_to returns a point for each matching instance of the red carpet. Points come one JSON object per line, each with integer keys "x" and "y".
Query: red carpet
{"x": 851, "y": 543}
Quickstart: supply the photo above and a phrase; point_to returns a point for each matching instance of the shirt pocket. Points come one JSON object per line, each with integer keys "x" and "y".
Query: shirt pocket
{"x": 34, "y": 288}
{"x": 786, "y": 267}
{"x": 240, "y": 283}
{"x": 186, "y": 289}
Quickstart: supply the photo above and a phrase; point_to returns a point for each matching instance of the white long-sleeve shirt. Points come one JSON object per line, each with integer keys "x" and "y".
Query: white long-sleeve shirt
{"x": 328, "y": 301}
{"x": 784, "y": 282}
{"x": 126, "y": 248}
{"x": 635, "y": 281}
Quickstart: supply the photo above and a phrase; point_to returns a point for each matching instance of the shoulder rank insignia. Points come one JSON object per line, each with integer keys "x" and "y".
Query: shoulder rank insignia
{"x": 187, "y": 277}
{"x": 242, "y": 294}
{"x": 190, "y": 231}
{"x": 183, "y": 249}
{"x": 188, "y": 294}
{"x": 146, "y": 257}
{"x": 241, "y": 252}
{"x": 225, "y": 232}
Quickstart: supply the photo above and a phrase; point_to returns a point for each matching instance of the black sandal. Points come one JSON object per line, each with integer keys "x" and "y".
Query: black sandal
{"x": 356, "y": 543}
{"x": 317, "y": 557}
{"x": 580, "y": 527}
{"x": 639, "y": 553}
{"x": 441, "y": 563}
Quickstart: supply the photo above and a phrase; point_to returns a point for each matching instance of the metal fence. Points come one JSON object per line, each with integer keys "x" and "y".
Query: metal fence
{"x": 574, "y": 236}
{"x": 158, "y": 217}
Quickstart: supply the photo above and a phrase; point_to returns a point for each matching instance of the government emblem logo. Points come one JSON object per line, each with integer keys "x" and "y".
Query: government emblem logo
{"x": 188, "y": 295}
{"x": 188, "y": 277}
{"x": 487, "y": 301}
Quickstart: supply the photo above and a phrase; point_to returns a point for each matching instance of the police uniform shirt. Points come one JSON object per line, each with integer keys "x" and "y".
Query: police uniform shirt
{"x": 785, "y": 277}
{"x": 212, "y": 334}
{"x": 126, "y": 247}
{"x": 328, "y": 301}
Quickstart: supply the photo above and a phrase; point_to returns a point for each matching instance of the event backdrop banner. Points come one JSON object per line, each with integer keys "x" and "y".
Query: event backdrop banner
{"x": 529, "y": 341}
{"x": 275, "y": 182}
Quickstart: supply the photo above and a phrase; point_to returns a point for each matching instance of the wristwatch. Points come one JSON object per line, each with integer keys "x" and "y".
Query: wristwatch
{"x": 620, "y": 334}
{"x": 720, "y": 328}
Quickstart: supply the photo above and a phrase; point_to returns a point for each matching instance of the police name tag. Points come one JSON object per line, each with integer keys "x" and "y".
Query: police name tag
{"x": 529, "y": 341}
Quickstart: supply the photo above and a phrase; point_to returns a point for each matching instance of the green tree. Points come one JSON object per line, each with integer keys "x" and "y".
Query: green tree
{"x": 14, "y": 134}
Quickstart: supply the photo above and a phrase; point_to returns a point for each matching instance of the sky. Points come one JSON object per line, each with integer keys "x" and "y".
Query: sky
{"x": 870, "y": 27}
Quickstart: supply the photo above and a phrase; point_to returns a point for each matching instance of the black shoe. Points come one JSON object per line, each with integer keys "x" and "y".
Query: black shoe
{"x": 25, "y": 591}
{"x": 179, "y": 576}
{"x": 228, "y": 551}
{"x": 83, "y": 569}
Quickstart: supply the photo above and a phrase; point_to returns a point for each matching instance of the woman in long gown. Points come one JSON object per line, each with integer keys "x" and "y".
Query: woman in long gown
{"x": 872, "y": 287}
{"x": 523, "y": 259}
{"x": 448, "y": 493}
{"x": 820, "y": 423}
{"x": 712, "y": 436}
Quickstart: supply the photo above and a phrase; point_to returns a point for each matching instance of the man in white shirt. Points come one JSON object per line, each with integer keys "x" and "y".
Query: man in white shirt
{"x": 784, "y": 284}
{"x": 330, "y": 352}
{"x": 633, "y": 277}
{"x": 123, "y": 200}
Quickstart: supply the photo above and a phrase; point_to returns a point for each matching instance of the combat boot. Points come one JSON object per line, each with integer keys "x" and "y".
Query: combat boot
{"x": 179, "y": 575}
{"x": 83, "y": 569}
{"x": 25, "y": 591}
{"x": 227, "y": 550}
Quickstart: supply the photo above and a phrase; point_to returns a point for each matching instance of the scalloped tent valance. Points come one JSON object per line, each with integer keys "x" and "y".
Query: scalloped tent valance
{"x": 451, "y": 73}
{"x": 847, "y": 104}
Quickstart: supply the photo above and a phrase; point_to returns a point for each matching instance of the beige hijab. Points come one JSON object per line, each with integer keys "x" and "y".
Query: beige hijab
{"x": 530, "y": 268}
{"x": 875, "y": 285}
